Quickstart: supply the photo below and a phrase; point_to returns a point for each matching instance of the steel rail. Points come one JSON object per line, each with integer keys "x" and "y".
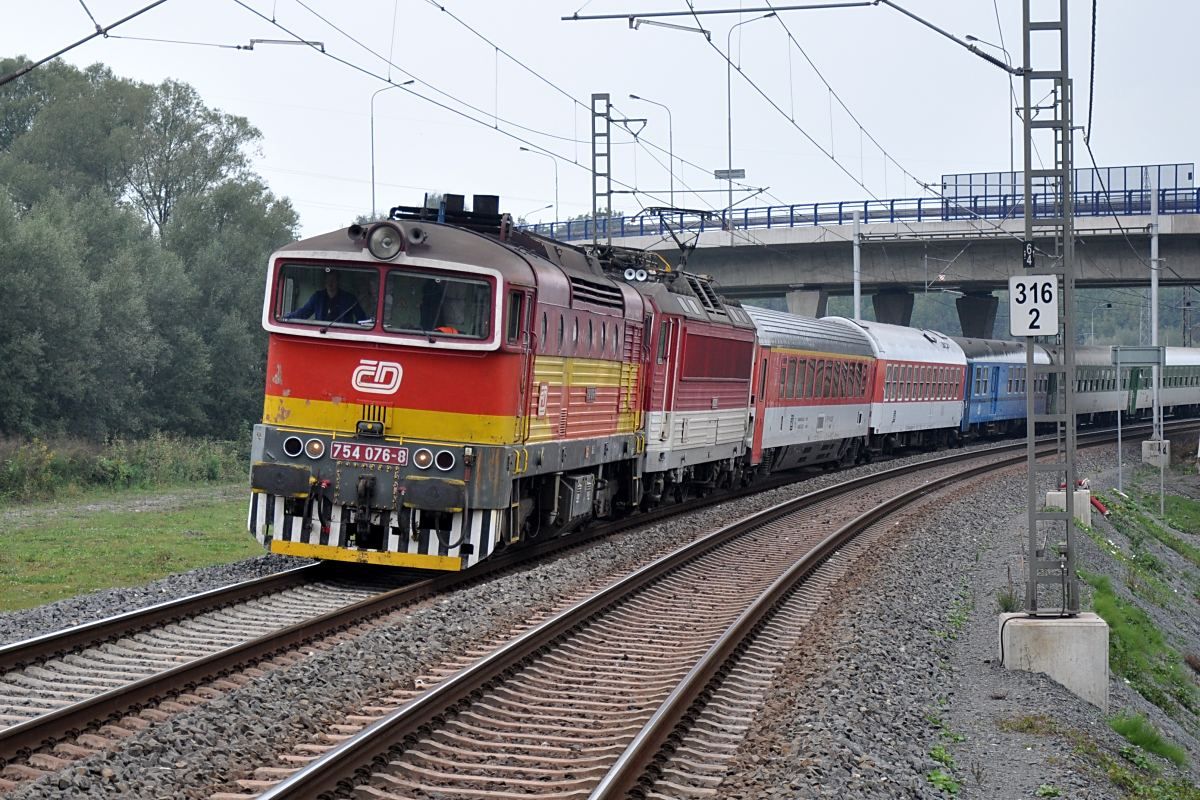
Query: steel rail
{"x": 327, "y": 773}
{"x": 634, "y": 761}
{"x": 20, "y": 740}
{"x": 17, "y": 654}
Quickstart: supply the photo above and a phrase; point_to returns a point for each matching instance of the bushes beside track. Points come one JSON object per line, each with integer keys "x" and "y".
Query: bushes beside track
{"x": 40, "y": 469}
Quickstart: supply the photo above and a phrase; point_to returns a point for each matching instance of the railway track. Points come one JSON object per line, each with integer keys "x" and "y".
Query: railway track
{"x": 63, "y": 696}
{"x": 648, "y": 683}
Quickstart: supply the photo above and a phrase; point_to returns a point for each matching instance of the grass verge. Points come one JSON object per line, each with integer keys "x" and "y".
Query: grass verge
{"x": 1137, "y": 777}
{"x": 1139, "y": 653}
{"x": 65, "y": 556}
{"x": 1137, "y": 730}
{"x": 41, "y": 469}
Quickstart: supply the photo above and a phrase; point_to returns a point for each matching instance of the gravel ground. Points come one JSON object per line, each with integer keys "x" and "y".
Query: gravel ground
{"x": 886, "y": 674}
{"x": 889, "y": 675}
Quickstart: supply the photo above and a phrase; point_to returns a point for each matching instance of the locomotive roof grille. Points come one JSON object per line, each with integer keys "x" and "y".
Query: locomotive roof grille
{"x": 597, "y": 293}
{"x": 703, "y": 291}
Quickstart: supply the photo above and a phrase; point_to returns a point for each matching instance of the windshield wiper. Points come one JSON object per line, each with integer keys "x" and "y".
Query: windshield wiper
{"x": 338, "y": 318}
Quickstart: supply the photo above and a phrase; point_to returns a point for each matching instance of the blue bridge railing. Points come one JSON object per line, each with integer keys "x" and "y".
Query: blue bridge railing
{"x": 920, "y": 209}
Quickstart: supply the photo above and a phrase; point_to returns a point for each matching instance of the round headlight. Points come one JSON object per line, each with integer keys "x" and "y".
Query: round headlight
{"x": 314, "y": 448}
{"x": 385, "y": 241}
{"x": 444, "y": 460}
{"x": 423, "y": 458}
{"x": 292, "y": 446}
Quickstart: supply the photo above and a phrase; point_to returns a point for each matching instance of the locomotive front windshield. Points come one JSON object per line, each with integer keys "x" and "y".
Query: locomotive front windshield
{"x": 424, "y": 303}
{"x": 413, "y": 303}
{"x": 327, "y": 296}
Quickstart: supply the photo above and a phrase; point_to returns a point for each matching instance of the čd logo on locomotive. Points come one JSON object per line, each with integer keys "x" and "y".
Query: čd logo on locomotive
{"x": 377, "y": 377}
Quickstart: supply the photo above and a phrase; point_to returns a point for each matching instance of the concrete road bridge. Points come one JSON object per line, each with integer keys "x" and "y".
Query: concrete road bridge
{"x": 804, "y": 253}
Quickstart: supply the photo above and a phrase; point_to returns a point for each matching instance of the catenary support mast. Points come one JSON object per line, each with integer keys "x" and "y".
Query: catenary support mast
{"x": 1051, "y": 587}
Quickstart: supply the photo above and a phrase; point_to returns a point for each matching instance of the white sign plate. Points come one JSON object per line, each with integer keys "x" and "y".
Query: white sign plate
{"x": 1033, "y": 305}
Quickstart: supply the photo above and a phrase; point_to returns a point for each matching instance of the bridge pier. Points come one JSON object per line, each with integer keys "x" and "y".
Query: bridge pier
{"x": 807, "y": 302}
{"x": 893, "y": 306}
{"x": 977, "y": 314}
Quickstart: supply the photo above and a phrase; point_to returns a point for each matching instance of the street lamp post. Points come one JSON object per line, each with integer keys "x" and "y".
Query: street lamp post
{"x": 1011, "y": 91}
{"x": 373, "y": 96}
{"x": 729, "y": 108}
{"x": 1092, "y": 336}
{"x": 554, "y": 161}
{"x": 670, "y": 141}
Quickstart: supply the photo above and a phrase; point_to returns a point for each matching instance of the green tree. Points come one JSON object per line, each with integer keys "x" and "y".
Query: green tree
{"x": 182, "y": 149}
{"x": 133, "y": 245}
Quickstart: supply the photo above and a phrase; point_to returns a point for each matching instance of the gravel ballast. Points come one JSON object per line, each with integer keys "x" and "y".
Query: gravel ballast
{"x": 882, "y": 677}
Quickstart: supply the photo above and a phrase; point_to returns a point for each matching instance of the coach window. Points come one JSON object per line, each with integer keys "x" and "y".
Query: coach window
{"x": 591, "y": 342}
{"x": 616, "y": 339}
{"x": 561, "y": 335}
{"x": 663, "y": 333}
{"x": 542, "y": 337}
{"x": 782, "y": 378}
{"x": 603, "y": 336}
{"x": 574, "y": 335}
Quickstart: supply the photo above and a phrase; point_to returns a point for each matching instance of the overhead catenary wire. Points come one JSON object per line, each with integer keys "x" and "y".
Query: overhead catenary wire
{"x": 88, "y": 11}
{"x": 494, "y": 113}
{"x": 1117, "y": 218}
{"x": 576, "y": 101}
{"x": 1087, "y": 133}
{"x": 459, "y": 112}
{"x": 100, "y": 31}
{"x": 924, "y": 184}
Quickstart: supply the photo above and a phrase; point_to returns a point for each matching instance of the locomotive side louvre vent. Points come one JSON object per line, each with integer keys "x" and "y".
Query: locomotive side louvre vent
{"x": 708, "y": 298}
{"x": 597, "y": 293}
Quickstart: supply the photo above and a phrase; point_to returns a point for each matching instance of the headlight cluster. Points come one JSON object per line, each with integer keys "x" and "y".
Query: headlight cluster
{"x": 293, "y": 447}
{"x": 424, "y": 458}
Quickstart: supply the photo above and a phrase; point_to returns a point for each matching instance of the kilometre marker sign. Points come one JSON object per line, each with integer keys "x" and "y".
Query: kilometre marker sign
{"x": 1033, "y": 305}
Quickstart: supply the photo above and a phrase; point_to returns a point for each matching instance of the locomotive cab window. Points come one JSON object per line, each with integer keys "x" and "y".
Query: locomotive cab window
{"x": 327, "y": 296}
{"x": 431, "y": 304}
{"x": 515, "y": 309}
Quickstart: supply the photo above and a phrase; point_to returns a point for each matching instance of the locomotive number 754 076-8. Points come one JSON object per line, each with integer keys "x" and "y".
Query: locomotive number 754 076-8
{"x": 370, "y": 453}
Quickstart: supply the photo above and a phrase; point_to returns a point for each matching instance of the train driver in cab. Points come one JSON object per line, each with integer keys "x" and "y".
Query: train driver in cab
{"x": 330, "y": 304}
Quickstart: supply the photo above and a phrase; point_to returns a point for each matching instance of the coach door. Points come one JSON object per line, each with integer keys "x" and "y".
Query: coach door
{"x": 994, "y": 392}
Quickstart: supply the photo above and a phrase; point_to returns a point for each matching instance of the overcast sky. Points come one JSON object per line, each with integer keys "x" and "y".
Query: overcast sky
{"x": 934, "y": 107}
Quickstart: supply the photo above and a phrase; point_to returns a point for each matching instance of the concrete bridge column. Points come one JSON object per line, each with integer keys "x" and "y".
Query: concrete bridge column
{"x": 807, "y": 302}
{"x": 977, "y": 314}
{"x": 893, "y": 306}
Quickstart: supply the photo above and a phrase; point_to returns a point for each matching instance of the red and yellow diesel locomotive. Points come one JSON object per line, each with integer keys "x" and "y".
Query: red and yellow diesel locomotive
{"x": 441, "y": 385}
